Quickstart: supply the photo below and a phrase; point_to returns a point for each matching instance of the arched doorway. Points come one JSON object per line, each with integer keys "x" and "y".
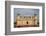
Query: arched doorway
{"x": 27, "y": 22}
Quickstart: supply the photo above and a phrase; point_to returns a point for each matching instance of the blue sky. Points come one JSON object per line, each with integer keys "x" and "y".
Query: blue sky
{"x": 25, "y": 11}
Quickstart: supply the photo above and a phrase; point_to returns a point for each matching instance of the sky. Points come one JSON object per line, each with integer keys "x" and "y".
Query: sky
{"x": 25, "y": 11}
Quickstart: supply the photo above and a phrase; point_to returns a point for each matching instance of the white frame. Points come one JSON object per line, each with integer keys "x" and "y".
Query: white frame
{"x": 26, "y": 28}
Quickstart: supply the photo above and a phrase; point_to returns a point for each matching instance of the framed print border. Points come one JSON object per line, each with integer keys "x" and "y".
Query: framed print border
{"x": 25, "y": 28}
{"x": 8, "y": 17}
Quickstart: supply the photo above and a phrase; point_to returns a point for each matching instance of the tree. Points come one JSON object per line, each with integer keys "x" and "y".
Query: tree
{"x": 35, "y": 14}
{"x": 18, "y": 14}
